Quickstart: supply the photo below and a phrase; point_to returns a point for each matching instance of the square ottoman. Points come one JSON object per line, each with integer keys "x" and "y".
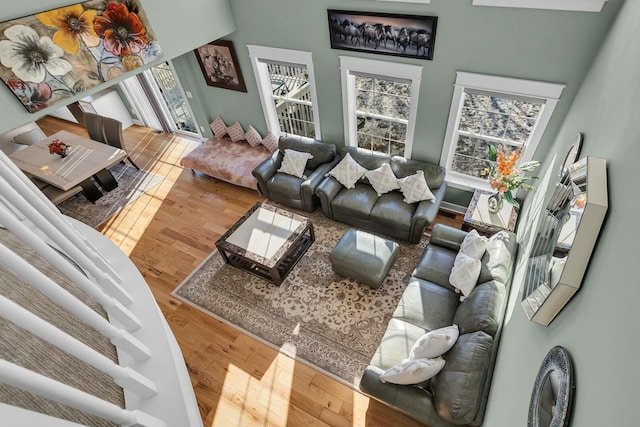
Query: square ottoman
{"x": 364, "y": 257}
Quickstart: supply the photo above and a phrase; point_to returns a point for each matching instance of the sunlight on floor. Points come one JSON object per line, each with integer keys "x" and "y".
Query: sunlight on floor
{"x": 247, "y": 400}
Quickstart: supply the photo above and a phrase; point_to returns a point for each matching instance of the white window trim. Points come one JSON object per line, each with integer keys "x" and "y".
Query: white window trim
{"x": 574, "y": 5}
{"x": 349, "y": 65}
{"x": 550, "y": 92}
{"x": 258, "y": 54}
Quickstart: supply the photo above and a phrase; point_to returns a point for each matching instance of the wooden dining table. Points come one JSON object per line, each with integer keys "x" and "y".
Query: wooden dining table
{"x": 85, "y": 159}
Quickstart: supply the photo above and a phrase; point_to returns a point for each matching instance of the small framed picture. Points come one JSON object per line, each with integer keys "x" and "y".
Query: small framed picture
{"x": 220, "y": 66}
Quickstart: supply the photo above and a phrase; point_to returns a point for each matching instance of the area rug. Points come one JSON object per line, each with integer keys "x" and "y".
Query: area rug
{"x": 316, "y": 316}
{"x": 132, "y": 183}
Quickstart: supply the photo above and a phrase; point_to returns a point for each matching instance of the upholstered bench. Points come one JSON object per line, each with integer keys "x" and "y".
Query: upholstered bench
{"x": 364, "y": 257}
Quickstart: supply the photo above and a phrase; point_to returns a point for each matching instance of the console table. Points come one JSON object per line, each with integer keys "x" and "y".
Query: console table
{"x": 479, "y": 218}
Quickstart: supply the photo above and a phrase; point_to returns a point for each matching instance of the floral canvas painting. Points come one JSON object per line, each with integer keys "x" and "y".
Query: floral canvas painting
{"x": 55, "y": 54}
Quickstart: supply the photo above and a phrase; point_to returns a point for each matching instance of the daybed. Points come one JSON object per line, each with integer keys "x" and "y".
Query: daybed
{"x": 226, "y": 160}
{"x": 458, "y": 394}
{"x": 388, "y": 213}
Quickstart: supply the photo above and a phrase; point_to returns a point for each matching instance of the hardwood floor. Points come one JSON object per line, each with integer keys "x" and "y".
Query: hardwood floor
{"x": 167, "y": 233}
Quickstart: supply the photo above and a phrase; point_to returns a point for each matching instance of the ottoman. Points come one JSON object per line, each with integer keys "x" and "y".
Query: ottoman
{"x": 364, "y": 257}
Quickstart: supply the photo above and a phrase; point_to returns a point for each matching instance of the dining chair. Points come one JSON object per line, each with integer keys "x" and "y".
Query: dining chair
{"x": 30, "y": 137}
{"x": 112, "y": 131}
{"x": 93, "y": 124}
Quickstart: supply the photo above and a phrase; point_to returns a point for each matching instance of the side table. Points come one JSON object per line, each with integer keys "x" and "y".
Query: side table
{"x": 479, "y": 218}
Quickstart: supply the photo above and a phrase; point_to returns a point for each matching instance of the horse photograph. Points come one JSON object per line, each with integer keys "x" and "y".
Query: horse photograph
{"x": 411, "y": 36}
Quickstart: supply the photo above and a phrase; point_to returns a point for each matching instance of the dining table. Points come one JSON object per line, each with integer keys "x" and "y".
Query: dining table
{"x": 86, "y": 163}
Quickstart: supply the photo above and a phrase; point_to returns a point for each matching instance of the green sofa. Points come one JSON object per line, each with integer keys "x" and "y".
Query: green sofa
{"x": 387, "y": 214}
{"x": 458, "y": 394}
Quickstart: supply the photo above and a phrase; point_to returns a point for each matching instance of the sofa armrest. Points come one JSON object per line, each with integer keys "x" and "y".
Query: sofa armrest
{"x": 446, "y": 236}
{"x": 265, "y": 170}
{"x": 326, "y": 191}
{"x": 425, "y": 214}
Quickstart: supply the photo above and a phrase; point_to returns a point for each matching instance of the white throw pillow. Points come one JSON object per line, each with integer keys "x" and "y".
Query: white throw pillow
{"x": 382, "y": 179}
{"x": 415, "y": 188}
{"x": 294, "y": 163}
{"x": 465, "y": 273}
{"x": 435, "y": 343}
{"x": 236, "y": 133}
{"x": 474, "y": 245}
{"x": 270, "y": 141}
{"x": 218, "y": 127}
{"x": 348, "y": 171}
{"x": 413, "y": 371}
{"x": 253, "y": 137}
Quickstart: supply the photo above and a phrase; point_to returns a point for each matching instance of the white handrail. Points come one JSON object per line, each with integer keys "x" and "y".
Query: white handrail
{"x": 125, "y": 377}
{"x": 129, "y": 321}
{"x": 40, "y": 281}
{"x": 27, "y": 380}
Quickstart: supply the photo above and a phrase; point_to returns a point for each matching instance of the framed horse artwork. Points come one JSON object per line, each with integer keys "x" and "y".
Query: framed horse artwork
{"x": 220, "y": 66}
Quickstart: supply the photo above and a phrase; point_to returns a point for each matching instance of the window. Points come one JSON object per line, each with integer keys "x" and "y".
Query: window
{"x": 287, "y": 90}
{"x": 380, "y": 108}
{"x": 577, "y": 5}
{"x": 509, "y": 114}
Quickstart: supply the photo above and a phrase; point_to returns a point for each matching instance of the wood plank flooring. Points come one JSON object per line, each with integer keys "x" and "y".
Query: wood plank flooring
{"x": 167, "y": 233}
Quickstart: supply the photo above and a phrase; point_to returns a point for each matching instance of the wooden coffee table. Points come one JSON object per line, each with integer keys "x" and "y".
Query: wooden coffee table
{"x": 267, "y": 241}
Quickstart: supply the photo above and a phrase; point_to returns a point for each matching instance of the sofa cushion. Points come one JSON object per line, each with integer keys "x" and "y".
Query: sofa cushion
{"x": 498, "y": 259}
{"x": 282, "y": 186}
{"x": 413, "y": 371}
{"x": 480, "y": 311}
{"x": 295, "y": 162}
{"x": 322, "y": 152}
{"x": 396, "y": 343}
{"x": 369, "y": 159}
{"x": 426, "y": 305}
{"x": 390, "y": 210}
{"x": 435, "y": 343}
{"x": 435, "y": 265}
{"x": 382, "y": 179}
{"x": 354, "y": 202}
{"x": 415, "y": 188}
{"x": 433, "y": 174}
{"x": 347, "y": 171}
{"x": 458, "y": 389}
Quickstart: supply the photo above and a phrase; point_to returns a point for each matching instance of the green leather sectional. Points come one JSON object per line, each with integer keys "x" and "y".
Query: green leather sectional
{"x": 458, "y": 394}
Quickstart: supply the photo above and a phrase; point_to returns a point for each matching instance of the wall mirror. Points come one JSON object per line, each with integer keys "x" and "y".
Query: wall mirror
{"x": 552, "y": 395}
{"x": 564, "y": 239}
{"x": 572, "y": 154}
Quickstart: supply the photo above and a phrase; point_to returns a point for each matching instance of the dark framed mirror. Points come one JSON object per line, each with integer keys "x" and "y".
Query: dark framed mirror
{"x": 552, "y": 395}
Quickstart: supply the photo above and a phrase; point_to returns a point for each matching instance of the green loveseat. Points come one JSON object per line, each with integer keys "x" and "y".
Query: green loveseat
{"x": 458, "y": 394}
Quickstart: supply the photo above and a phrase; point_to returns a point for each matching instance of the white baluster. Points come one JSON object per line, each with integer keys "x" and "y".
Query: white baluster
{"x": 24, "y": 379}
{"x": 55, "y": 233}
{"x": 124, "y": 377}
{"x": 113, "y": 307}
{"x": 37, "y": 279}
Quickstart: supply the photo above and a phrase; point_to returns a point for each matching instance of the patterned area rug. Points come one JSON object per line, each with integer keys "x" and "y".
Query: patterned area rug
{"x": 132, "y": 183}
{"x": 328, "y": 321}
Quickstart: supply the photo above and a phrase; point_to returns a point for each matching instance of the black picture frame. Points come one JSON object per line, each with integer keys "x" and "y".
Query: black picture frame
{"x": 219, "y": 65}
{"x": 409, "y": 36}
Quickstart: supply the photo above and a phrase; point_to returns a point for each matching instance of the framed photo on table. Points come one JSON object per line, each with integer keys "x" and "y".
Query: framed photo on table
{"x": 220, "y": 66}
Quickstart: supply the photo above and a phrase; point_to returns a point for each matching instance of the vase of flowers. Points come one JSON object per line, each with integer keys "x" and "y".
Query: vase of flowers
{"x": 58, "y": 147}
{"x": 504, "y": 177}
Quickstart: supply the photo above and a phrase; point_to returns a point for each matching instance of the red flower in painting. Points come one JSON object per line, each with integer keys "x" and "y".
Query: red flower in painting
{"x": 121, "y": 30}
{"x": 34, "y": 96}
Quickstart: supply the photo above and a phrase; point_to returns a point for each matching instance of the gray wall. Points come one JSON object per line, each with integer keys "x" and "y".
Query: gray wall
{"x": 177, "y": 29}
{"x": 598, "y": 326}
{"x": 541, "y": 45}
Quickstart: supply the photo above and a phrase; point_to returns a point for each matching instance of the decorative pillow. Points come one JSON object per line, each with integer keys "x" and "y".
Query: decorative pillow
{"x": 236, "y": 133}
{"x": 294, "y": 162}
{"x": 474, "y": 245}
{"x": 415, "y": 188}
{"x": 413, "y": 371}
{"x": 348, "y": 171}
{"x": 271, "y": 142}
{"x": 435, "y": 343}
{"x": 382, "y": 179}
{"x": 253, "y": 137}
{"x": 465, "y": 273}
{"x": 218, "y": 127}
